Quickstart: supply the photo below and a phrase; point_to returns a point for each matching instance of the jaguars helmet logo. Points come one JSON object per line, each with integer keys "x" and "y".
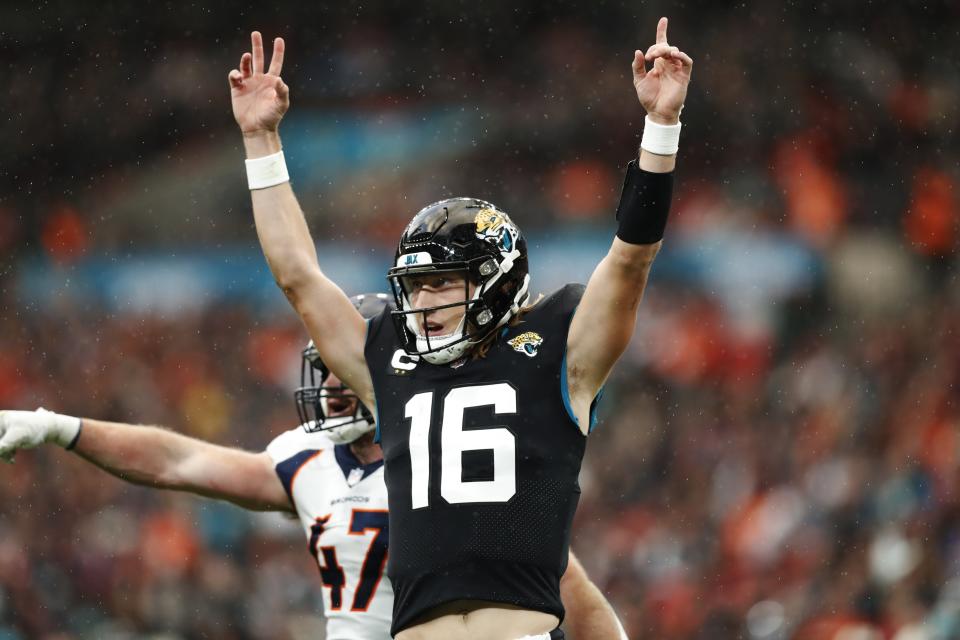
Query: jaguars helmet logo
{"x": 526, "y": 343}
{"x": 495, "y": 225}
{"x": 489, "y": 220}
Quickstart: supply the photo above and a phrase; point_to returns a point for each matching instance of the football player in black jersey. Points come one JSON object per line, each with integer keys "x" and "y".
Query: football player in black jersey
{"x": 483, "y": 398}
{"x": 330, "y": 417}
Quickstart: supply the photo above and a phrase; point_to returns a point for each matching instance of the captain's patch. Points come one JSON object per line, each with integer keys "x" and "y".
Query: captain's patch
{"x": 526, "y": 343}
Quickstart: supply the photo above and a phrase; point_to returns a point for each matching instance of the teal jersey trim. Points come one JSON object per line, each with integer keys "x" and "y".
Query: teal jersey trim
{"x": 565, "y": 392}
{"x": 376, "y": 401}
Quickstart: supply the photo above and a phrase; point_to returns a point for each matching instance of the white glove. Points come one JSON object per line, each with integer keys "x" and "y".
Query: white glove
{"x": 27, "y": 429}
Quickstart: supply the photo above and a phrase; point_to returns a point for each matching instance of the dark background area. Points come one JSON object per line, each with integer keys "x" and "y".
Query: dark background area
{"x": 778, "y": 451}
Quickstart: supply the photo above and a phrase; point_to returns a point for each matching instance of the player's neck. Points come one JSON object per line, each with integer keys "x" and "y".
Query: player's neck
{"x": 366, "y": 450}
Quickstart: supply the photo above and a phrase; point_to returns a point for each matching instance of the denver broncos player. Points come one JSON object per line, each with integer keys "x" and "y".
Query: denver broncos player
{"x": 483, "y": 399}
{"x": 328, "y": 472}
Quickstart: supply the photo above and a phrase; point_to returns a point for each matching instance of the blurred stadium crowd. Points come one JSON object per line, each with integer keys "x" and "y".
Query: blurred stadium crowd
{"x": 772, "y": 470}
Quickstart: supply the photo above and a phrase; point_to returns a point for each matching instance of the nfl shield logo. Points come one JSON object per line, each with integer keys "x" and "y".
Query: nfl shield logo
{"x": 356, "y": 475}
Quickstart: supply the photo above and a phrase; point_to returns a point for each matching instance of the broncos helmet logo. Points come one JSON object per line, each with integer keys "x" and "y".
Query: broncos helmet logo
{"x": 495, "y": 225}
{"x": 526, "y": 343}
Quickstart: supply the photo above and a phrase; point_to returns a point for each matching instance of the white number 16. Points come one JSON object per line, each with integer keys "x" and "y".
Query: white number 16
{"x": 454, "y": 441}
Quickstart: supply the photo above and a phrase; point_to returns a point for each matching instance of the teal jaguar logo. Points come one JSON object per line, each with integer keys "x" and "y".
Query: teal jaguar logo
{"x": 496, "y": 226}
{"x": 526, "y": 343}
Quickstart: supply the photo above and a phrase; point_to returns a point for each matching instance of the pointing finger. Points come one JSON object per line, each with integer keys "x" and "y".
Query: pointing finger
{"x": 662, "y": 31}
{"x": 256, "y": 44}
{"x": 246, "y": 65}
{"x": 276, "y": 60}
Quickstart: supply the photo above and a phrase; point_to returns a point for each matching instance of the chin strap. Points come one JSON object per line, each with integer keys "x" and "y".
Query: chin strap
{"x": 521, "y": 298}
{"x": 508, "y": 260}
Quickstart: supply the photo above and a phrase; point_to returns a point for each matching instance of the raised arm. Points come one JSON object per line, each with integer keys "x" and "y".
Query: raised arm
{"x": 260, "y": 99}
{"x": 589, "y": 615}
{"x": 603, "y": 323}
{"x": 152, "y": 457}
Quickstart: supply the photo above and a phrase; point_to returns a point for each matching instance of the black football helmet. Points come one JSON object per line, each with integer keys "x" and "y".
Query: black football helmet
{"x": 476, "y": 239}
{"x": 313, "y": 396}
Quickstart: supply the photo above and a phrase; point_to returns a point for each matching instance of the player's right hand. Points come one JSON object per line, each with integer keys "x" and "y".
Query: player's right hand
{"x": 260, "y": 98}
{"x": 28, "y": 429}
{"x": 663, "y": 88}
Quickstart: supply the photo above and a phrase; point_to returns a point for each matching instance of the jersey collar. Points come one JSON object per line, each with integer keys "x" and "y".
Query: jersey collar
{"x": 349, "y": 464}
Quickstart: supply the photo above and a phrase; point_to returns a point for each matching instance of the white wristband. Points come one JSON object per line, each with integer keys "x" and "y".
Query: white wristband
{"x": 661, "y": 139}
{"x": 268, "y": 171}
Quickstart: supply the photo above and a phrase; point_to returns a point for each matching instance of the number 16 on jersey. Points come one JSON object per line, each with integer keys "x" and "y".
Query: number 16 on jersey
{"x": 454, "y": 441}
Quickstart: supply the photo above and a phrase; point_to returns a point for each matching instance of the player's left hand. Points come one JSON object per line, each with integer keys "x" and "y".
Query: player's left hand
{"x": 663, "y": 88}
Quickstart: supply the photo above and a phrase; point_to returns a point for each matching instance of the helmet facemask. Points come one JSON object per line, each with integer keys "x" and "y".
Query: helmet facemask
{"x": 478, "y": 319}
{"x": 322, "y": 407}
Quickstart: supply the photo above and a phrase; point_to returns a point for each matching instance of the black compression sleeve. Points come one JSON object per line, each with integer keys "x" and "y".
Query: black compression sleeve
{"x": 644, "y": 205}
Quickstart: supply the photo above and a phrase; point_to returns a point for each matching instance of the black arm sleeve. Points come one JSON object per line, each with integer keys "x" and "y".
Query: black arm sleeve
{"x": 644, "y": 205}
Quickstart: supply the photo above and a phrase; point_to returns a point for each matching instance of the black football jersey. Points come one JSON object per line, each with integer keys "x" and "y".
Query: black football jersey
{"x": 481, "y": 465}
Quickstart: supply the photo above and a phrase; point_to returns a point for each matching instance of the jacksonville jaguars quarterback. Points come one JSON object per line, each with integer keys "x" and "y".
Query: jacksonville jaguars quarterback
{"x": 327, "y": 472}
{"x": 483, "y": 396}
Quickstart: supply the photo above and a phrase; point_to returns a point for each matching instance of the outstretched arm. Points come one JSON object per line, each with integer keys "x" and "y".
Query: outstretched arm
{"x": 589, "y": 615}
{"x": 260, "y": 98}
{"x": 603, "y": 323}
{"x": 152, "y": 457}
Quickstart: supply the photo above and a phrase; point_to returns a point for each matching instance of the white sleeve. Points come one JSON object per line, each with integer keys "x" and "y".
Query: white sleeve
{"x": 290, "y": 443}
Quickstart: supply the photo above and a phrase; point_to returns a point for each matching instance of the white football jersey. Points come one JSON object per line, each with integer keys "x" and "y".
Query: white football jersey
{"x": 342, "y": 506}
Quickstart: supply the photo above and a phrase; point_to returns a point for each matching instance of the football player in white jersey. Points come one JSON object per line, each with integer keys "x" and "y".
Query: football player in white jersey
{"x": 328, "y": 472}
